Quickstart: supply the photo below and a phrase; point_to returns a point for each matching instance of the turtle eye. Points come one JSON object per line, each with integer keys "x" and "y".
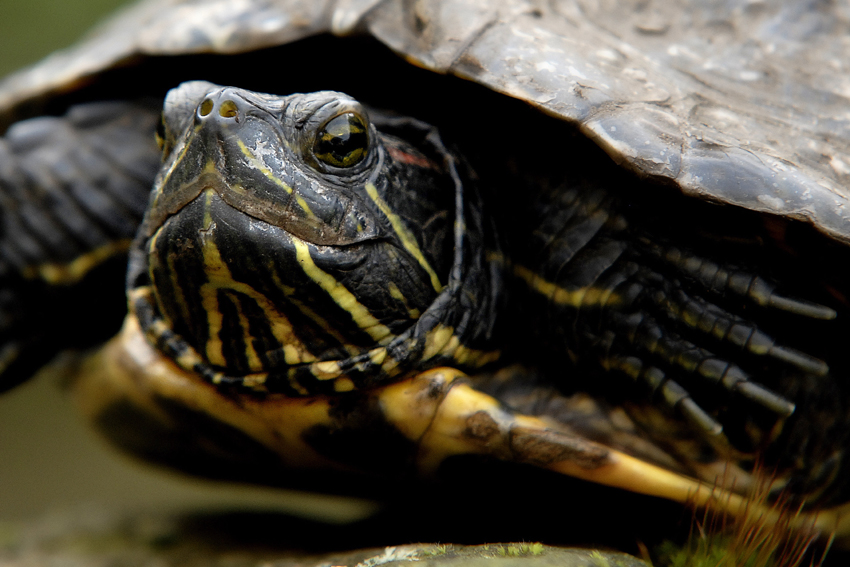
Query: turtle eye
{"x": 342, "y": 141}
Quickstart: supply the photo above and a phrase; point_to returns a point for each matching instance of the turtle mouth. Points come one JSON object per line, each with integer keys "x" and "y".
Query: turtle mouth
{"x": 302, "y": 224}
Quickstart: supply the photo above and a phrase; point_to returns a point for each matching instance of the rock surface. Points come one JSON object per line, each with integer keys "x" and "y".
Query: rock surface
{"x": 91, "y": 537}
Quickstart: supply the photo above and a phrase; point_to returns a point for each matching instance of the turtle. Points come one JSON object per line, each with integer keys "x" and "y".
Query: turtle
{"x": 369, "y": 242}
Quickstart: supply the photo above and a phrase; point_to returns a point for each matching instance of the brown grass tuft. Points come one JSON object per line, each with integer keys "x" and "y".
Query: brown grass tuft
{"x": 768, "y": 533}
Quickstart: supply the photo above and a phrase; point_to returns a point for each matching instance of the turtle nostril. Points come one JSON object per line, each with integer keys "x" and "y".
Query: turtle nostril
{"x": 206, "y": 107}
{"x": 228, "y": 109}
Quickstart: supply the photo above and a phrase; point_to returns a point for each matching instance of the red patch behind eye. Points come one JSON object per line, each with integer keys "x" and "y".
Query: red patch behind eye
{"x": 404, "y": 157}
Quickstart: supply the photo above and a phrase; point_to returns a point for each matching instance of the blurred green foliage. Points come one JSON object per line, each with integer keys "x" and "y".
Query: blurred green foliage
{"x": 31, "y": 29}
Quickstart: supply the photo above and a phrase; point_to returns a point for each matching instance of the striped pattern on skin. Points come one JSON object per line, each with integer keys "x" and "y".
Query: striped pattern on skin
{"x": 70, "y": 198}
{"x": 73, "y": 189}
{"x": 56, "y": 273}
{"x": 279, "y": 276}
{"x": 440, "y": 342}
{"x": 706, "y": 338}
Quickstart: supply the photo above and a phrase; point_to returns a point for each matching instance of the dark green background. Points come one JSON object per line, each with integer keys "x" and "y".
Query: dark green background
{"x": 30, "y": 29}
{"x": 49, "y": 459}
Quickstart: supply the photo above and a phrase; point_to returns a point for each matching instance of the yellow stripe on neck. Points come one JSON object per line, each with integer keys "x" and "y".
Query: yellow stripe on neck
{"x": 341, "y": 295}
{"x": 406, "y": 237}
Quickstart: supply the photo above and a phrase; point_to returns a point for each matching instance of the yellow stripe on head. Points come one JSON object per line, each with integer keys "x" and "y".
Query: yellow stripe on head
{"x": 406, "y": 237}
{"x": 295, "y": 352}
{"x": 395, "y": 293}
{"x": 261, "y": 167}
{"x": 341, "y": 295}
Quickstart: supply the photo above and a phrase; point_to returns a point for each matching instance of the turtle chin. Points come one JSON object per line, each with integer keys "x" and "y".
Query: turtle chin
{"x": 249, "y": 297}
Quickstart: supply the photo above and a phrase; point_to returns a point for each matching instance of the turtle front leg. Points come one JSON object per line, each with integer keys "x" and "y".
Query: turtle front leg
{"x": 362, "y": 442}
{"x": 73, "y": 190}
{"x": 445, "y": 415}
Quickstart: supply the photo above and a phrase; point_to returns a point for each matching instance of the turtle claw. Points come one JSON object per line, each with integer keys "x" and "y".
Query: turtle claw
{"x": 710, "y": 319}
{"x": 763, "y": 293}
{"x": 720, "y": 280}
{"x": 696, "y": 416}
{"x": 668, "y": 326}
{"x": 765, "y": 398}
{"x": 801, "y": 360}
{"x": 649, "y": 336}
{"x": 674, "y": 395}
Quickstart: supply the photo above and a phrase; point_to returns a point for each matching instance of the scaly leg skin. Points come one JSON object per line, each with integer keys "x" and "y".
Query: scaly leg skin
{"x": 718, "y": 334}
{"x": 446, "y": 416}
{"x": 413, "y": 424}
{"x": 73, "y": 190}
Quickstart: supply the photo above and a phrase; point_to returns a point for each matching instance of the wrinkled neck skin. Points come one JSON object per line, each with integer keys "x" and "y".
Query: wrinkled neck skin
{"x": 266, "y": 264}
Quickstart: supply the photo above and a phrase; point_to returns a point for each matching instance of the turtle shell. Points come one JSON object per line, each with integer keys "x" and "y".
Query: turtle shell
{"x": 712, "y": 101}
{"x": 743, "y": 103}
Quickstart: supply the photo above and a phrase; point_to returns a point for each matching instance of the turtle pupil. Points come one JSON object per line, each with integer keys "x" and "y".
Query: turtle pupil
{"x": 342, "y": 141}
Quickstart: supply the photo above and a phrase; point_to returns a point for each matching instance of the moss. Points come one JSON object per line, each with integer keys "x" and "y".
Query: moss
{"x": 436, "y": 550}
{"x": 746, "y": 544}
{"x": 520, "y": 549}
{"x": 599, "y": 560}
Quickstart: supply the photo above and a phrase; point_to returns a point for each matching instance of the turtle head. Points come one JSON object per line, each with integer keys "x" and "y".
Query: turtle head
{"x": 293, "y": 162}
{"x": 292, "y": 246}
